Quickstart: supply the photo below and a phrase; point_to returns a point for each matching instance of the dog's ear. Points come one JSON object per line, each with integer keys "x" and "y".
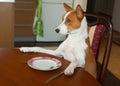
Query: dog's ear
{"x": 67, "y": 8}
{"x": 79, "y": 11}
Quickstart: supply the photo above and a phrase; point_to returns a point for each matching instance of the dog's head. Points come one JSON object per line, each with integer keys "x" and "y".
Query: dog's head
{"x": 71, "y": 20}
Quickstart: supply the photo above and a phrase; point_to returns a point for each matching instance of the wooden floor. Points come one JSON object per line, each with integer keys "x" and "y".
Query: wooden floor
{"x": 114, "y": 62}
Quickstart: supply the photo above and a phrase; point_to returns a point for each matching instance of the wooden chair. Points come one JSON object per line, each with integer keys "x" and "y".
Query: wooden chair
{"x": 103, "y": 24}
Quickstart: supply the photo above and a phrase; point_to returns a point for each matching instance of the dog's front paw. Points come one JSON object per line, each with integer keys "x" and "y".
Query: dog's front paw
{"x": 31, "y": 49}
{"x": 25, "y": 49}
{"x": 70, "y": 69}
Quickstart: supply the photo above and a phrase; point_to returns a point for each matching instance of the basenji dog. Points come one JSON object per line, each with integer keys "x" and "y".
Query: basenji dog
{"x": 76, "y": 47}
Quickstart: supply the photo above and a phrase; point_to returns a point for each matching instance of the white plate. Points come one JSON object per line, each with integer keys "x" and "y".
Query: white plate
{"x": 44, "y": 63}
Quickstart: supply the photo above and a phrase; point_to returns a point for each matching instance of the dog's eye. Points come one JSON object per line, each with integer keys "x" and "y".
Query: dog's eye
{"x": 68, "y": 21}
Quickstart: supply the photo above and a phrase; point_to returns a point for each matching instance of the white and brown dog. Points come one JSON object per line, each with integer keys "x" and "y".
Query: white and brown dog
{"x": 76, "y": 48}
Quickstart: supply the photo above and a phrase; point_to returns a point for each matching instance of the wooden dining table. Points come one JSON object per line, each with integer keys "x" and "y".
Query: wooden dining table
{"x": 15, "y": 72}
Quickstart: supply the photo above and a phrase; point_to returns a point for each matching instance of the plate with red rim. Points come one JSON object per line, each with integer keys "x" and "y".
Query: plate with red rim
{"x": 44, "y": 63}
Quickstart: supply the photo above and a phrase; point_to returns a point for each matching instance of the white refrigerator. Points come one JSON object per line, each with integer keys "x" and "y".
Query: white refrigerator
{"x": 52, "y": 12}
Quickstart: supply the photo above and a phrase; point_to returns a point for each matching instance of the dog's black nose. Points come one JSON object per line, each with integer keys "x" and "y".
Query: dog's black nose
{"x": 57, "y": 30}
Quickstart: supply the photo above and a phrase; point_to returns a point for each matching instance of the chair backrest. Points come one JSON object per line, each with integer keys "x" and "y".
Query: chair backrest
{"x": 103, "y": 24}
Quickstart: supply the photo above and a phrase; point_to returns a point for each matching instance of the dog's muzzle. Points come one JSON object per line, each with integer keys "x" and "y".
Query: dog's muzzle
{"x": 62, "y": 29}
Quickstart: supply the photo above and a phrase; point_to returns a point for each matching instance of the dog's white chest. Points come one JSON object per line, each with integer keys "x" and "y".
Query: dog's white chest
{"x": 70, "y": 48}
{"x": 67, "y": 51}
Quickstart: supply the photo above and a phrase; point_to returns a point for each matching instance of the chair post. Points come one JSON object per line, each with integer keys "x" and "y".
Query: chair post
{"x": 107, "y": 49}
{"x": 98, "y": 19}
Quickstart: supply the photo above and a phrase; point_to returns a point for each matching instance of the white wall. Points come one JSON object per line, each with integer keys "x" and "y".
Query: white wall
{"x": 83, "y": 4}
{"x": 7, "y": 0}
{"x": 116, "y": 15}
